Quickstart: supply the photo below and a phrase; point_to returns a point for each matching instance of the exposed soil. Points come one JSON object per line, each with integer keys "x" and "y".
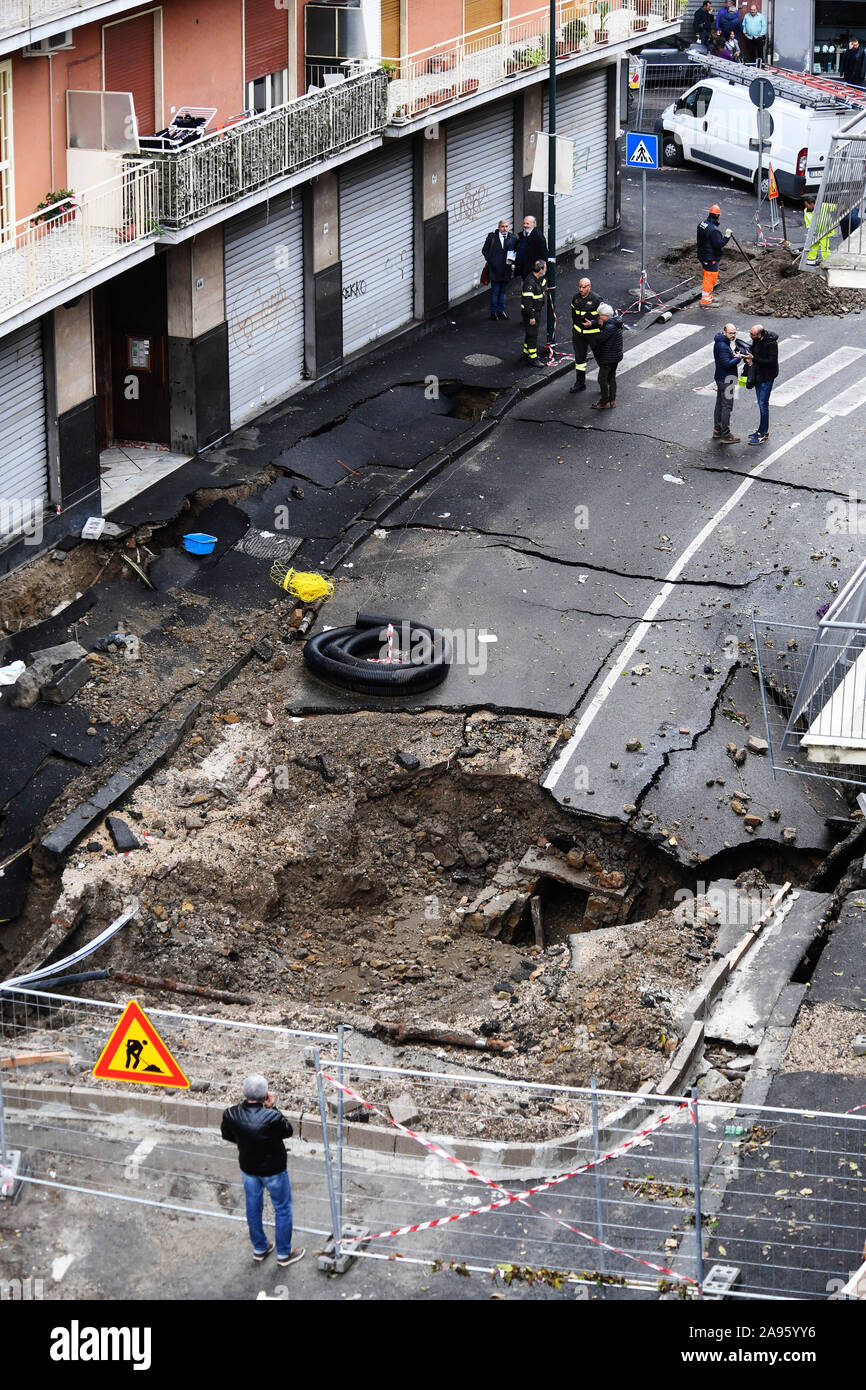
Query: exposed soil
{"x": 789, "y": 292}
{"x": 297, "y": 861}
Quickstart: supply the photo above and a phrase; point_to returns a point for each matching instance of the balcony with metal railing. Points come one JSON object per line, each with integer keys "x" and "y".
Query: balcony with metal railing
{"x": 58, "y": 246}
{"x": 258, "y": 151}
{"x": 27, "y": 21}
{"x": 457, "y": 68}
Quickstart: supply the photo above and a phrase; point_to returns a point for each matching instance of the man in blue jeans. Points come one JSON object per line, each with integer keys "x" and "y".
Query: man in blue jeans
{"x": 258, "y": 1128}
{"x": 763, "y": 361}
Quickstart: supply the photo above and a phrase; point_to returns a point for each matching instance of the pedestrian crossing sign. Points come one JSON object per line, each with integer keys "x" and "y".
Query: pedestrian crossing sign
{"x": 136, "y": 1052}
{"x": 641, "y": 151}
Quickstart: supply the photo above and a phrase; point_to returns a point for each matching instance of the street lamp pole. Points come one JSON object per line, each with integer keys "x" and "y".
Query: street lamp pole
{"x": 551, "y": 180}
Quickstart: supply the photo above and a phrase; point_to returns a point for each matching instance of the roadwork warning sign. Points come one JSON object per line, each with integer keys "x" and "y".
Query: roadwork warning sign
{"x": 136, "y": 1052}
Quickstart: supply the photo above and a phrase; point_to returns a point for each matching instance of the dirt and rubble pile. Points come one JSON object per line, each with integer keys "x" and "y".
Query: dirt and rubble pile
{"x": 298, "y": 862}
{"x": 788, "y": 292}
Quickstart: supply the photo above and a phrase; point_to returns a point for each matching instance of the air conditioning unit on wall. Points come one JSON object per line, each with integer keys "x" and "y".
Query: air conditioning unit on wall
{"x": 52, "y": 44}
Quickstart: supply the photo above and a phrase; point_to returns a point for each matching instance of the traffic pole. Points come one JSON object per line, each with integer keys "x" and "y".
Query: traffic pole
{"x": 642, "y": 297}
{"x": 551, "y": 181}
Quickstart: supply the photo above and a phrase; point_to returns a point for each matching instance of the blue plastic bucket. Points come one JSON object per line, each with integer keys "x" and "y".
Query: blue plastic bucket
{"x": 198, "y": 543}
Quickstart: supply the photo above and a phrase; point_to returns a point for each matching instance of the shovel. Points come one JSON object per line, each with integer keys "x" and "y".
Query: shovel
{"x": 761, "y": 282}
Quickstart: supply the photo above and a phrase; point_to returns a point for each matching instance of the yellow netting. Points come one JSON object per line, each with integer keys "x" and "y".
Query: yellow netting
{"x": 305, "y": 585}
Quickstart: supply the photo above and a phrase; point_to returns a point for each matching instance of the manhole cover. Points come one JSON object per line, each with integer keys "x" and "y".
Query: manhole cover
{"x": 267, "y": 545}
{"x": 482, "y": 359}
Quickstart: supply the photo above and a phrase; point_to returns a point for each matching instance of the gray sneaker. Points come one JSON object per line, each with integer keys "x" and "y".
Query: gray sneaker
{"x": 291, "y": 1259}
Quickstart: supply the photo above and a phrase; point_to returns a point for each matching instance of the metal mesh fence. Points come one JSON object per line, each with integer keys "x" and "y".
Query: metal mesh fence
{"x": 813, "y": 685}
{"x": 483, "y": 1173}
{"x": 836, "y": 226}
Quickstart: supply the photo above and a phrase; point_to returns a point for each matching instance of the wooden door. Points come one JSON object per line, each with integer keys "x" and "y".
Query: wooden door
{"x": 139, "y": 355}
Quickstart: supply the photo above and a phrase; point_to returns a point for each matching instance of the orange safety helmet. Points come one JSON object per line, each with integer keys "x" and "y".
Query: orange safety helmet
{"x": 716, "y": 208}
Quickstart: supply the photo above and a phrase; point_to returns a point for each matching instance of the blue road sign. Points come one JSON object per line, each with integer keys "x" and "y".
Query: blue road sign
{"x": 641, "y": 151}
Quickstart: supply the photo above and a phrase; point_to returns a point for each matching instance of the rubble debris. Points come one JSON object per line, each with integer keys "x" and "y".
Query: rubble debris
{"x": 404, "y": 1110}
{"x": 121, "y": 834}
{"x": 402, "y": 1033}
{"x": 408, "y": 761}
{"x": 66, "y": 682}
{"x": 757, "y": 745}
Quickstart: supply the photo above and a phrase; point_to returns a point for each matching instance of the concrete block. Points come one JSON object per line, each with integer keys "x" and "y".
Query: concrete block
{"x": 404, "y": 1110}
{"x": 66, "y": 682}
{"x": 59, "y": 655}
{"x": 519, "y": 1156}
{"x": 311, "y": 1129}
{"x": 404, "y": 1145}
{"x": 375, "y": 1137}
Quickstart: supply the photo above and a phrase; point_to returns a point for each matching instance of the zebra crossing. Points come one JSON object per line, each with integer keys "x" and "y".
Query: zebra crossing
{"x": 676, "y": 373}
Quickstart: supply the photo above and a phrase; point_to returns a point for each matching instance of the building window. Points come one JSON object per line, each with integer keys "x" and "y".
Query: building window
{"x": 265, "y": 93}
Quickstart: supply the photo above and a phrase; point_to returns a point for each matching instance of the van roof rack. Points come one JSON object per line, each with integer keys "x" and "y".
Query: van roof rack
{"x": 819, "y": 93}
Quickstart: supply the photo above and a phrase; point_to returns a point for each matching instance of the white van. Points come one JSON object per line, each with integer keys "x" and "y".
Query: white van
{"x": 715, "y": 124}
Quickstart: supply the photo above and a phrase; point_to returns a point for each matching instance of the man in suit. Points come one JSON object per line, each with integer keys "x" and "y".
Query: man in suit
{"x": 499, "y": 251}
{"x": 531, "y": 247}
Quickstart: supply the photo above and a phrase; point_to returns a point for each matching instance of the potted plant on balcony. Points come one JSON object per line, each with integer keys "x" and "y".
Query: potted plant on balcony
{"x": 573, "y": 35}
{"x": 59, "y": 202}
{"x": 389, "y": 69}
{"x": 528, "y": 56}
{"x": 600, "y": 34}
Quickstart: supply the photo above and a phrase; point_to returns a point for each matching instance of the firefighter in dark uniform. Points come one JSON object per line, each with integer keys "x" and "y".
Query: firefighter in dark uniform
{"x": 531, "y": 309}
{"x": 585, "y": 328}
{"x": 710, "y": 244}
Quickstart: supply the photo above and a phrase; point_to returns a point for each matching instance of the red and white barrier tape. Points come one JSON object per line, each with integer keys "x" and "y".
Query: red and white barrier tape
{"x": 510, "y": 1197}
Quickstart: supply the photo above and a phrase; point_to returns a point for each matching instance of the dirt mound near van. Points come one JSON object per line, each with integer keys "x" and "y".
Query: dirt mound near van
{"x": 792, "y": 293}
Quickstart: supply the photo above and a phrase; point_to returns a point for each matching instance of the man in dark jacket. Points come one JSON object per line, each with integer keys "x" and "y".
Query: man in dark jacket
{"x": 607, "y": 351}
{"x": 710, "y": 244}
{"x": 727, "y": 361}
{"x": 852, "y": 65}
{"x": 728, "y": 22}
{"x": 764, "y": 362}
{"x": 584, "y": 328}
{"x": 704, "y": 22}
{"x": 531, "y": 308}
{"x": 258, "y": 1128}
{"x": 499, "y": 252}
{"x": 531, "y": 247}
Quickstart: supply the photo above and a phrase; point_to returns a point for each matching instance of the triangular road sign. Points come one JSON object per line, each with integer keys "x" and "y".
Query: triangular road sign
{"x": 136, "y": 1052}
{"x": 773, "y": 190}
{"x": 641, "y": 155}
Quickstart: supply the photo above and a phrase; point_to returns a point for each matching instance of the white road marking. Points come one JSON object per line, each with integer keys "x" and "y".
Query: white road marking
{"x": 787, "y": 349}
{"x": 643, "y": 627}
{"x": 810, "y": 377}
{"x": 137, "y": 1157}
{"x": 651, "y": 347}
{"x": 847, "y": 400}
{"x": 670, "y": 376}
{"x": 60, "y": 1266}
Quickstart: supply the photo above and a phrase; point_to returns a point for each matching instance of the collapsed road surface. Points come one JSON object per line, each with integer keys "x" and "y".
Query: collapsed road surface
{"x": 598, "y": 577}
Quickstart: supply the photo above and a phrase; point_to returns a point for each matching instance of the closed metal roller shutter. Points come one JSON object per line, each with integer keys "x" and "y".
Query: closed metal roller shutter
{"x": 266, "y": 38}
{"x": 480, "y": 190}
{"x": 23, "y": 449}
{"x": 264, "y": 265}
{"x": 581, "y": 114}
{"x": 376, "y": 248}
{"x": 128, "y": 59}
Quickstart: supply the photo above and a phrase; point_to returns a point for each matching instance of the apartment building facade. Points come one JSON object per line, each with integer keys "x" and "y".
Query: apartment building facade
{"x": 202, "y": 207}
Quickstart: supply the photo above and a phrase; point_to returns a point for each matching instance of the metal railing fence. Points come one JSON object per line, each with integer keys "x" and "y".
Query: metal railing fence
{"x": 836, "y": 231}
{"x": 483, "y": 1173}
{"x": 78, "y": 235}
{"x": 457, "y": 67}
{"x": 239, "y": 159}
{"x": 813, "y": 681}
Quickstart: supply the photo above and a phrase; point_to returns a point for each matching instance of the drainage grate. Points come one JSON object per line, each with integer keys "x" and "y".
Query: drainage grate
{"x": 267, "y": 545}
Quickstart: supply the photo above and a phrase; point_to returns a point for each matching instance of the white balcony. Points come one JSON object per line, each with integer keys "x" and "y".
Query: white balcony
{"x": 59, "y": 246}
{"x": 458, "y": 68}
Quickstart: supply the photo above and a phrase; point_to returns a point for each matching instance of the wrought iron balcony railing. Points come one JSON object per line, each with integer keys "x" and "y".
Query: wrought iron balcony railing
{"x": 61, "y": 244}
{"x": 224, "y": 166}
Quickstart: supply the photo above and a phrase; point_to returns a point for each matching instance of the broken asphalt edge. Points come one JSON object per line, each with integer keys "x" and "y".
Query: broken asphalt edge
{"x": 60, "y": 841}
